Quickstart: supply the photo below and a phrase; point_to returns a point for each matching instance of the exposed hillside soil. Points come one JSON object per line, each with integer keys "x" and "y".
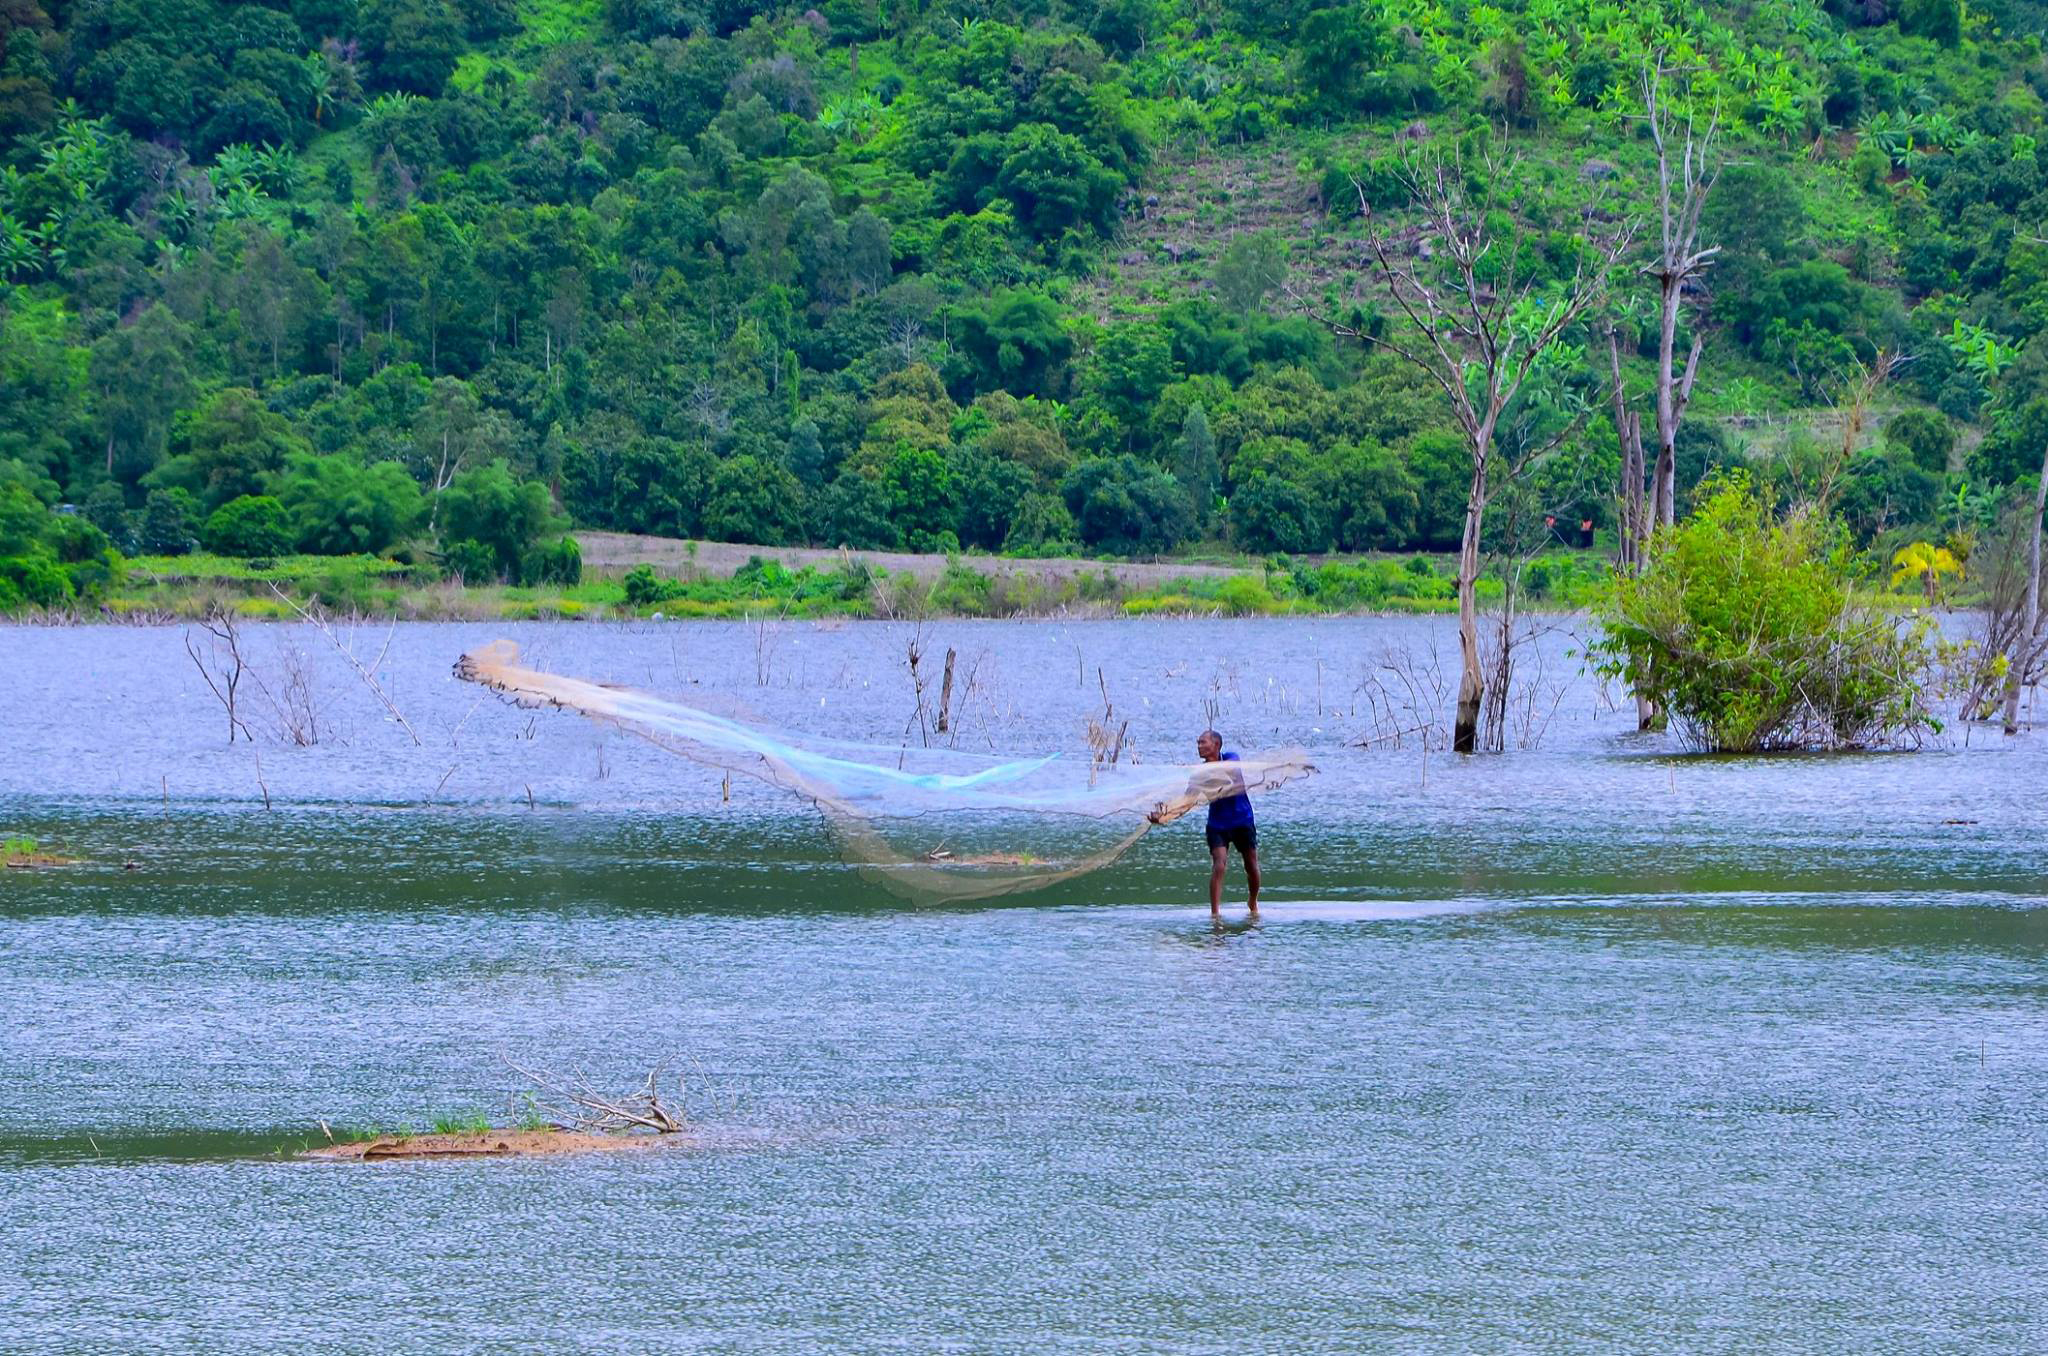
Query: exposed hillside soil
{"x": 1194, "y": 203}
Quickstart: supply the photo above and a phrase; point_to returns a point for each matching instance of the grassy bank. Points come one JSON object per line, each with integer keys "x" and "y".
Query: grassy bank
{"x": 173, "y": 587}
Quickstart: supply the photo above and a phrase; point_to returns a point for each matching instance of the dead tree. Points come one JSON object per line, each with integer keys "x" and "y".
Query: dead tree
{"x": 1628, "y": 432}
{"x": 1476, "y": 325}
{"x": 579, "y": 1105}
{"x": 223, "y": 674}
{"x": 2026, "y": 655}
{"x": 1681, "y": 196}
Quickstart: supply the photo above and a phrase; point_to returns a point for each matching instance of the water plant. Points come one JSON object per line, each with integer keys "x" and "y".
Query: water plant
{"x": 1746, "y": 628}
{"x": 462, "y": 1123}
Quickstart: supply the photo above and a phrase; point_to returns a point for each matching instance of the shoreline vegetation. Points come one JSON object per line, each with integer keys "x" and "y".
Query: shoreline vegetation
{"x": 630, "y": 577}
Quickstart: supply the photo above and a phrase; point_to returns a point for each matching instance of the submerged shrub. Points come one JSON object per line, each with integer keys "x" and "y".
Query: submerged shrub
{"x": 1744, "y": 629}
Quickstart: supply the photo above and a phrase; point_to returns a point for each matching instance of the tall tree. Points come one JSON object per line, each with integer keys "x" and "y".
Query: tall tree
{"x": 1681, "y": 197}
{"x": 140, "y": 377}
{"x": 1477, "y": 324}
{"x": 1196, "y": 466}
{"x": 1683, "y": 184}
{"x": 2028, "y": 658}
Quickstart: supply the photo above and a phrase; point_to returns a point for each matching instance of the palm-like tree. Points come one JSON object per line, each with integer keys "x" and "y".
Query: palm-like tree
{"x": 320, "y": 81}
{"x": 1926, "y": 562}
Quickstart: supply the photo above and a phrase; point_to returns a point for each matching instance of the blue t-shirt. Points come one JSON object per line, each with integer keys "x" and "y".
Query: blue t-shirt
{"x": 1231, "y": 812}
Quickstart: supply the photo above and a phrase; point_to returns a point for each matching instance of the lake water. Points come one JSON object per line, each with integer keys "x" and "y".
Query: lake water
{"x": 1587, "y": 1046}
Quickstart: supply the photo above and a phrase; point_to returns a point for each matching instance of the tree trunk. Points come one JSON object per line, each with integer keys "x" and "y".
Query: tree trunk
{"x": 1471, "y": 682}
{"x": 1665, "y": 493}
{"x": 2029, "y": 642}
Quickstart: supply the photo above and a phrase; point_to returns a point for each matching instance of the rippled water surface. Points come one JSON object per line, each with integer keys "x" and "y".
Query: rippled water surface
{"x": 1589, "y": 1046}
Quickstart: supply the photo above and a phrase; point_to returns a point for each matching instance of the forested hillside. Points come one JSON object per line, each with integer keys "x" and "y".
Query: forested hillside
{"x": 442, "y": 279}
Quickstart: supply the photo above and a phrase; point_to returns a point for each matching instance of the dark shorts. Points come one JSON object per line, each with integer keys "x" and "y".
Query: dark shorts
{"x": 1245, "y": 838}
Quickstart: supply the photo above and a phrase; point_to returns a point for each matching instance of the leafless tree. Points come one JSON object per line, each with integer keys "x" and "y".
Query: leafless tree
{"x": 347, "y": 652}
{"x": 222, "y": 666}
{"x": 1477, "y": 325}
{"x": 2024, "y": 659}
{"x": 1682, "y": 189}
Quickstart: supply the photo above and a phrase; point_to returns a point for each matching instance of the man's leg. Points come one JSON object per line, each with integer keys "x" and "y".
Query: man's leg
{"x": 1251, "y": 876}
{"x": 1219, "y": 857}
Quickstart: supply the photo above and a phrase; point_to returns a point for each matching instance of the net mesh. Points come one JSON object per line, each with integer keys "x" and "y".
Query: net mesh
{"x": 930, "y": 824}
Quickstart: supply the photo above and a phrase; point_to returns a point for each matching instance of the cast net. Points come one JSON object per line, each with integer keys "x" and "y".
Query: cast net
{"x": 932, "y": 824}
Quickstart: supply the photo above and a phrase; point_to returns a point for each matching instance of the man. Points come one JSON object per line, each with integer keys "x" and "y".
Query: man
{"x": 1230, "y": 823}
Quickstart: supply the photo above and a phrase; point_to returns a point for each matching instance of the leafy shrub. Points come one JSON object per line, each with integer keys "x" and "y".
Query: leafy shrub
{"x": 251, "y": 525}
{"x": 72, "y": 539}
{"x": 1272, "y": 513}
{"x": 1042, "y": 524}
{"x": 34, "y": 579}
{"x": 645, "y": 587}
{"x": 486, "y": 506}
{"x": 339, "y": 506}
{"x": 166, "y": 528}
{"x": 1245, "y": 595}
{"x": 1926, "y": 435}
{"x": 561, "y": 563}
{"x": 963, "y": 589}
{"x": 470, "y": 561}
{"x": 1123, "y": 505}
{"x": 93, "y": 578}
{"x": 1744, "y": 630}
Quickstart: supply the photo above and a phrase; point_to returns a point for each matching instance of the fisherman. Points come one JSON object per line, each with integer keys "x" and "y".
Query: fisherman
{"x": 1230, "y": 821}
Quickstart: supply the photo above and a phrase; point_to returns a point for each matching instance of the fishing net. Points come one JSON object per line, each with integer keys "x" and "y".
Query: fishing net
{"x": 932, "y": 824}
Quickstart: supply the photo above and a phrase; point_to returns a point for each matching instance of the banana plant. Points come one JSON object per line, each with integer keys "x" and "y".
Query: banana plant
{"x": 277, "y": 169}
{"x": 177, "y": 214}
{"x": 20, "y": 256}
{"x": 320, "y": 85}
{"x": 1981, "y": 350}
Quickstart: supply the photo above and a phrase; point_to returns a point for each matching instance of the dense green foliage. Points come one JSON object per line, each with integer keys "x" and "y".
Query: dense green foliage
{"x": 1743, "y": 628}
{"x": 441, "y": 277}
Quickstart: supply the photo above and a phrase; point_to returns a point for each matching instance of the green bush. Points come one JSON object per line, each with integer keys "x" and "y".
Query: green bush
{"x": 339, "y": 506}
{"x": 1927, "y": 435}
{"x": 487, "y": 506}
{"x": 1245, "y": 595}
{"x": 561, "y": 563}
{"x": 1744, "y": 629}
{"x": 964, "y": 590}
{"x": 36, "y": 579}
{"x": 93, "y": 579}
{"x": 167, "y": 523}
{"x": 251, "y": 525}
{"x": 470, "y": 561}
{"x": 644, "y": 586}
{"x": 73, "y": 539}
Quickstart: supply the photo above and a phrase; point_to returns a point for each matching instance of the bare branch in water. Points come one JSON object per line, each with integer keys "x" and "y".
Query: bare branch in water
{"x": 578, "y": 1105}
{"x": 369, "y": 680}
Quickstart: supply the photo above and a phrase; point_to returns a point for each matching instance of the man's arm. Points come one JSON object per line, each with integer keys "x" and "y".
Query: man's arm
{"x": 1208, "y": 782}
